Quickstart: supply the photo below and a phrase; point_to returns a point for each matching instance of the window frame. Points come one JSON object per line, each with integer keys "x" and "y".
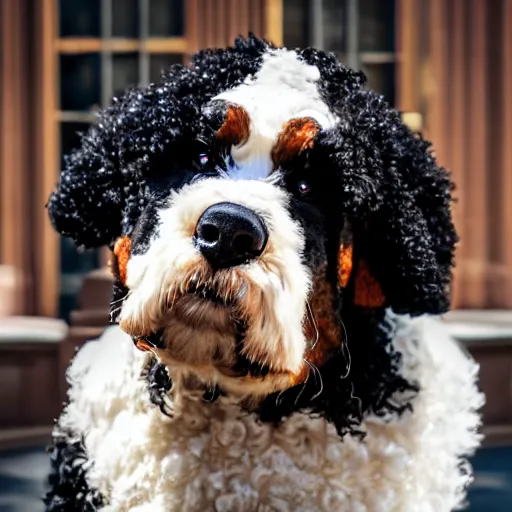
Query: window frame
{"x": 265, "y": 17}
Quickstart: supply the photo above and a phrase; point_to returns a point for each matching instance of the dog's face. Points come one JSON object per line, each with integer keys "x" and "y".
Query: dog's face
{"x": 249, "y": 199}
{"x": 217, "y": 263}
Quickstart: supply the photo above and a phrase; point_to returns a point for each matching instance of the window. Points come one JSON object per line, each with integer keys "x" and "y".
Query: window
{"x": 360, "y": 32}
{"x": 104, "y": 46}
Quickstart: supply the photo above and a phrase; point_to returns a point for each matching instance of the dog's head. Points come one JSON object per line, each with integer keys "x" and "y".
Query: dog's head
{"x": 254, "y": 200}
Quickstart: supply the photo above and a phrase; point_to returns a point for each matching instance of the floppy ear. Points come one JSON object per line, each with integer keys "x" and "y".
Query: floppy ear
{"x": 397, "y": 203}
{"x": 88, "y": 202}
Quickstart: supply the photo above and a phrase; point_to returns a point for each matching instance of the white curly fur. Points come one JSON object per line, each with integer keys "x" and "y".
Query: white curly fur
{"x": 216, "y": 457}
{"x": 284, "y": 88}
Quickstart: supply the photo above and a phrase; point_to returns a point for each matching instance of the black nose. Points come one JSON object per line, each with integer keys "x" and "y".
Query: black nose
{"x": 228, "y": 234}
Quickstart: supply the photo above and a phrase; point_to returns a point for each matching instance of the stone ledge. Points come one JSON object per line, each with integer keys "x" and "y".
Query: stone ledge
{"x": 15, "y": 438}
{"x": 26, "y": 329}
{"x": 480, "y": 326}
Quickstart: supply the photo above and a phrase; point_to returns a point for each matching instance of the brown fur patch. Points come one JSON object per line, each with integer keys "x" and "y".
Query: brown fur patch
{"x": 296, "y": 136}
{"x": 143, "y": 345}
{"x": 122, "y": 249}
{"x": 329, "y": 334}
{"x": 236, "y": 128}
{"x": 345, "y": 264}
{"x": 367, "y": 291}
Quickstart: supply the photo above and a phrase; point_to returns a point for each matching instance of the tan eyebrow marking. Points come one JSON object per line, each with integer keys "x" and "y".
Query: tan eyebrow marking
{"x": 296, "y": 136}
{"x": 122, "y": 248}
{"x": 236, "y": 128}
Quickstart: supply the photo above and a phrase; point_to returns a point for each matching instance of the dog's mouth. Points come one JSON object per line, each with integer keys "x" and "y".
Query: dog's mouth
{"x": 205, "y": 292}
{"x": 199, "y": 311}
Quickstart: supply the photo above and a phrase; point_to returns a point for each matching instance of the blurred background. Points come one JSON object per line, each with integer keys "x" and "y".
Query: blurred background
{"x": 446, "y": 64}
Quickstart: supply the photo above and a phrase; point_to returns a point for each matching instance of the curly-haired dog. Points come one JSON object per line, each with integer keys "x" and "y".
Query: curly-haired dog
{"x": 278, "y": 234}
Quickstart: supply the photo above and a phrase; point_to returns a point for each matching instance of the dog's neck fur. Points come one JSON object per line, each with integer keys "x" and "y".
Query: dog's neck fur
{"x": 130, "y": 456}
{"x": 339, "y": 391}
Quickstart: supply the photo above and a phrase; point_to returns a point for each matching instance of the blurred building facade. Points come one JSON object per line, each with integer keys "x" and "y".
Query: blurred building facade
{"x": 446, "y": 64}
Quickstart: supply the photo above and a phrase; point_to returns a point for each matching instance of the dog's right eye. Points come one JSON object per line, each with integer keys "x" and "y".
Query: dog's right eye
{"x": 303, "y": 187}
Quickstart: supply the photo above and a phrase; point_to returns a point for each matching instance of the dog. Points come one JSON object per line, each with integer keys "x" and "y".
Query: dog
{"x": 282, "y": 249}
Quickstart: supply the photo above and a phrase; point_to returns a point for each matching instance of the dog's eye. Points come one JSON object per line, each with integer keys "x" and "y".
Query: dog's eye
{"x": 303, "y": 187}
{"x": 203, "y": 159}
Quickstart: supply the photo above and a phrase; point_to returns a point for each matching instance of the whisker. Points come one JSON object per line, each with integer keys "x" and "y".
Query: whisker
{"x": 279, "y": 397}
{"x": 203, "y": 141}
{"x": 316, "y": 371}
{"x": 313, "y": 322}
{"x": 303, "y": 387}
{"x": 357, "y": 399}
{"x": 122, "y": 299}
{"x": 346, "y": 351}
{"x": 113, "y": 312}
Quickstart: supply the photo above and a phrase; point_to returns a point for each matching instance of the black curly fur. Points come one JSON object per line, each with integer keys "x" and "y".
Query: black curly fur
{"x": 159, "y": 384}
{"x": 369, "y": 173}
{"x": 363, "y": 377}
{"x": 103, "y": 186}
{"x": 68, "y": 487}
{"x": 385, "y": 179}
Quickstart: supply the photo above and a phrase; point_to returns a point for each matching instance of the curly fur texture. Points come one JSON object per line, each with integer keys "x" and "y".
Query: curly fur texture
{"x": 69, "y": 488}
{"x": 214, "y": 456}
{"x": 362, "y": 377}
{"x": 397, "y": 389}
{"x": 382, "y": 177}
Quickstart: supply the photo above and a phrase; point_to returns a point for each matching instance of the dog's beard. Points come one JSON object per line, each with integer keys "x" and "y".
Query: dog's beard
{"x": 217, "y": 318}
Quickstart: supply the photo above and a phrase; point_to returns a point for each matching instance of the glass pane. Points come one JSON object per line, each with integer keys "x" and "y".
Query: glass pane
{"x": 73, "y": 263}
{"x": 79, "y": 18}
{"x": 79, "y": 264}
{"x": 335, "y": 23}
{"x": 377, "y": 25}
{"x": 125, "y": 14}
{"x": 161, "y": 62}
{"x": 125, "y": 71}
{"x": 70, "y": 137}
{"x": 80, "y": 87}
{"x": 381, "y": 78}
{"x": 295, "y": 24}
{"x": 166, "y": 18}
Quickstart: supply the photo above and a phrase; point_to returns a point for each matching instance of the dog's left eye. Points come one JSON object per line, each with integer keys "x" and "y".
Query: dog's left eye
{"x": 203, "y": 159}
{"x": 303, "y": 187}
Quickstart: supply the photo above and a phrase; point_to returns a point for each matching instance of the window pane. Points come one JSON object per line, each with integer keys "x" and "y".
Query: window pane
{"x": 381, "y": 78}
{"x": 162, "y": 62}
{"x": 125, "y": 14}
{"x": 74, "y": 264}
{"x": 295, "y": 23}
{"x": 335, "y": 23}
{"x": 79, "y": 18}
{"x": 70, "y": 137}
{"x": 80, "y": 87}
{"x": 79, "y": 264}
{"x": 166, "y": 18}
{"x": 377, "y": 25}
{"x": 125, "y": 71}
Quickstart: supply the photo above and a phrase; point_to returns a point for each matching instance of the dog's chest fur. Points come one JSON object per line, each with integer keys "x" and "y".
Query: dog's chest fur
{"x": 217, "y": 457}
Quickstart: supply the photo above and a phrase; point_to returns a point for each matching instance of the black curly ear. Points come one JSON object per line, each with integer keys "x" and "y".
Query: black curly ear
{"x": 397, "y": 201}
{"x": 88, "y": 201}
